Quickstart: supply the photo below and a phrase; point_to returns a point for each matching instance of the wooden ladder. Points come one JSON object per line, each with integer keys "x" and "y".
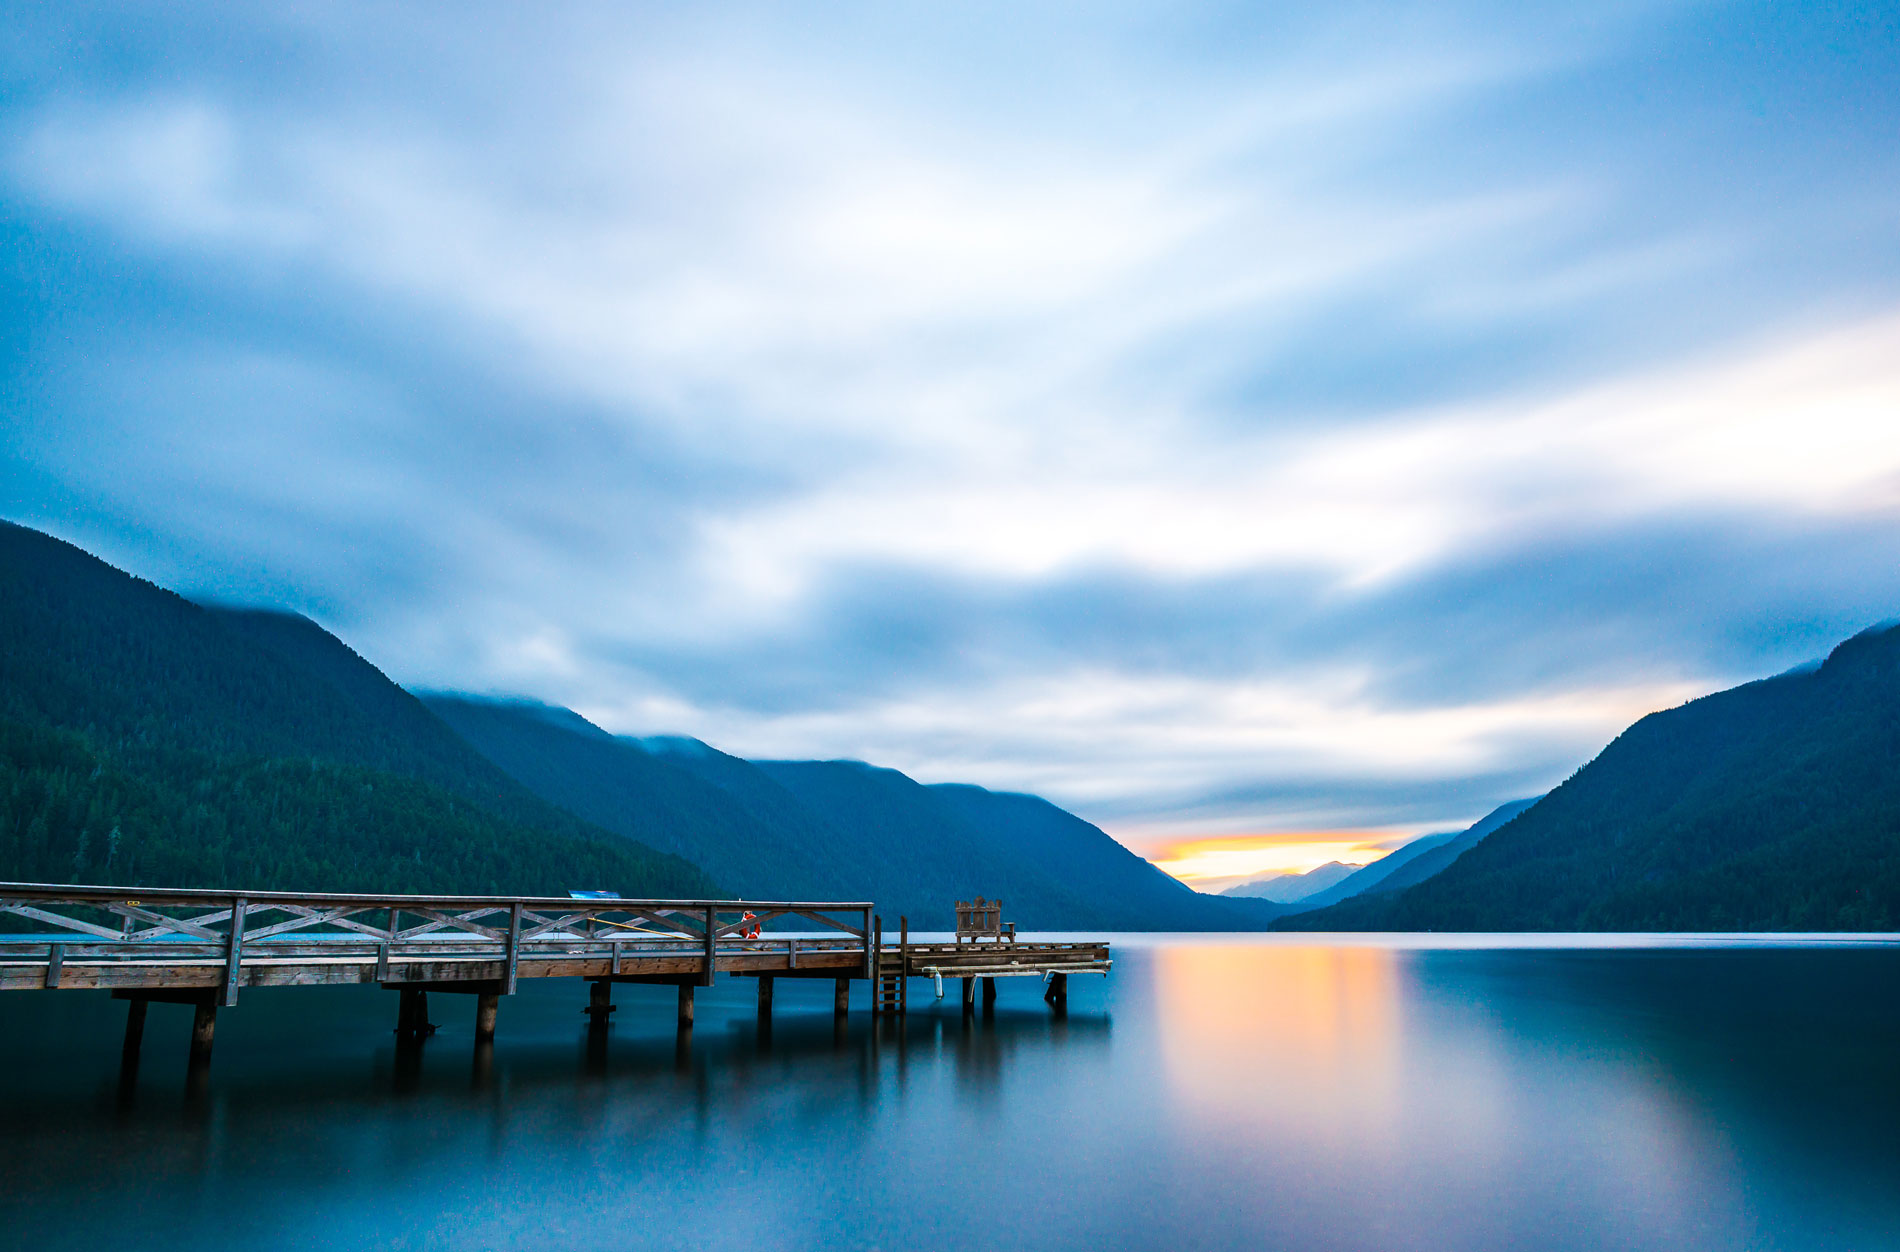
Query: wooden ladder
{"x": 890, "y": 994}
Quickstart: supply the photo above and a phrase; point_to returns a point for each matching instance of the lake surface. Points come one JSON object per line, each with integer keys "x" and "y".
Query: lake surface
{"x": 1231, "y": 1093}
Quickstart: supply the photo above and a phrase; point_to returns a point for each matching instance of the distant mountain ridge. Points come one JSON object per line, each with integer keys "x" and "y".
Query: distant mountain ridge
{"x": 1290, "y": 888}
{"x": 1770, "y": 806}
{"x": 1415, "y": 862}
{"x": 840, "y": 829}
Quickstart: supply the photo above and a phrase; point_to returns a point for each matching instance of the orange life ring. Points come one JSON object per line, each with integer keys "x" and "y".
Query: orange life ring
{"x": 748, "y": 932}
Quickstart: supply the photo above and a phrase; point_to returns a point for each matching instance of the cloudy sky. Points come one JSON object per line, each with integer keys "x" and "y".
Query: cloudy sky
{"x": 1227, "y": 422}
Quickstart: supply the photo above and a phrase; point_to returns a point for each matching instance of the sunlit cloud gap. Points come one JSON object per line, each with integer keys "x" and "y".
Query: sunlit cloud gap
{"x": 1213, "y": 863}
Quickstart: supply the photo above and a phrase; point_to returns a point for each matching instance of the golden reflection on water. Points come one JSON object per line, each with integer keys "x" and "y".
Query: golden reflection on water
{"x": 1278, "y": 1031}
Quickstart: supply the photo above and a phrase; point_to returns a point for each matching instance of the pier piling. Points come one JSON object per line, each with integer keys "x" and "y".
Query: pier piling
{"x": 600, "y": 1004}
{"x": 201, "y": 947}
{"x": 204, "y": 1027}
{"x": 412, "y": 1013}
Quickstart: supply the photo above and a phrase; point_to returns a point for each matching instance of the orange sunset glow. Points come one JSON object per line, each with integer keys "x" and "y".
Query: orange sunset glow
{"x": 1214, "y": 861}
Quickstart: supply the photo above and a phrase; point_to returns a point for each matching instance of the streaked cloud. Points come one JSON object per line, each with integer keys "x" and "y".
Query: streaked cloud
{"x": 1221, "y": 422}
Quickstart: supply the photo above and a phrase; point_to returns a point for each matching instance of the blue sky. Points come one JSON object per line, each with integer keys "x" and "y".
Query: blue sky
{"x": 1220, "y": 420}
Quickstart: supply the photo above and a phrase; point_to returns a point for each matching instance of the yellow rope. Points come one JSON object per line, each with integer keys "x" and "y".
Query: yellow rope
{"x": 661, "y": 933}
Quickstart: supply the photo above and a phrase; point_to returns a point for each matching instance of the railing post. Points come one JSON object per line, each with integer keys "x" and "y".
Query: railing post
{"x": 382, "y": 949}
{"x": 712, "y": 942}
{"x": 235, "y": 951}
{"x": 514, "y": 947}
{"x": 874, "y": 944}
{"x": 870, "y": 957}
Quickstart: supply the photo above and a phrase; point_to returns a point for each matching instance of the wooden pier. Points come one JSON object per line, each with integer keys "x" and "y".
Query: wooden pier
{"x": 205, "y": 947}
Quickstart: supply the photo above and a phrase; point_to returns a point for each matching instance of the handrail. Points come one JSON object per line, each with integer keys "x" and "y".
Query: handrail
{"x": 272, "y": 921}
{"x": 66, "y": 894}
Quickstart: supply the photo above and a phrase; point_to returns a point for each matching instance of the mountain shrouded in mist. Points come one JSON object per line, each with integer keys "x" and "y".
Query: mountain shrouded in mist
{"x": 145, "y": 740}
{"x": 840, "y": 829}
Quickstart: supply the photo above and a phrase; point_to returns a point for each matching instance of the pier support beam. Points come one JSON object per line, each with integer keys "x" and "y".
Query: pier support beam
{"x": 686, "y": 1006}
{"x": 841, "y": 998}
{"x": 969, "y": 995}
{"x": 765, "y": 995}
{"x": 989, "y": 995}
{"x": 600, "y": 1004}
{"x": 1057, "y": 996}
{"x": 204, "y": 1027}
{"x": 412, "y": 1013}
{"x": 485, "y": 1005}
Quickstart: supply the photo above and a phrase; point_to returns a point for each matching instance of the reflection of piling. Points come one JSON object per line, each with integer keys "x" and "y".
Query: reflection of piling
{"x": 407, "y": 1073}
{"x": 129, "y": 1053}
{"x": 134, "y": 1035}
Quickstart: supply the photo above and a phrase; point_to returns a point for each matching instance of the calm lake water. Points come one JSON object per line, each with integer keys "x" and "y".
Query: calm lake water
{"x": 1211, "y": 1094}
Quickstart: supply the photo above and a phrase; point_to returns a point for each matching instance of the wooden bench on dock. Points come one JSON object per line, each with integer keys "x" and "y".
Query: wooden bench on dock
{"x": 981, "y": 919}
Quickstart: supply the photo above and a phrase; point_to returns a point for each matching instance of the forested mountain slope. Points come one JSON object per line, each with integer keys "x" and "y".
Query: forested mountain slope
{"x": 758, "y": 851}
{"x": 1416, "y": 861}
{"x": 1771, "y": 806}
{"x": 1437, "y": 858}
{"x": 145, "y": 739}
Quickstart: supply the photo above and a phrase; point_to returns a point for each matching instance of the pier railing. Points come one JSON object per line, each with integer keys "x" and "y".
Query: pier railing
{"x": 123, "y": 938}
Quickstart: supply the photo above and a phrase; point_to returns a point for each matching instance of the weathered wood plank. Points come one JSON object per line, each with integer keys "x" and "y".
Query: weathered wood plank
{"x": 64, "y": 923}
{"x": 161, "y": 925}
